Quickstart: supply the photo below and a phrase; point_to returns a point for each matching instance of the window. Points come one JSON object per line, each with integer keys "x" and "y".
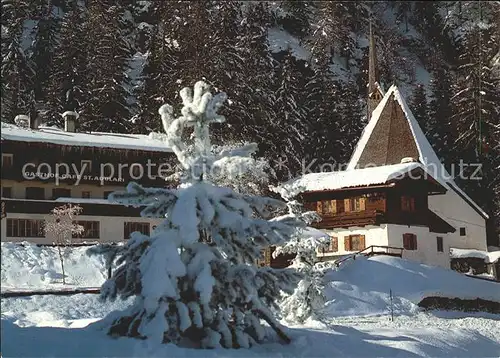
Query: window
{"x": 6, "y": 192}
{"x": 7, "y": 160}
{"x": 87, "y": 164}
{"x": 462, "y": 231}
{"x": 355, "y": 204}
{"x": 407, "y": 203}
{"x": 326, "y": 207}
{"x": 86, "y": 194}
{"x": 106, "y": 194}
{"x": 410, "y": 241}
{"x": 35, "y": 193}
{"x": 439, "y": 242}
{"x": 333, "y": 245}
{"x": 90, "y": 230}
{"x": 136, "y": 170}
{"x": 108, "y": 171}
{"x": 354, "y": 243}
{"x": 61, "y": 193}
{"x": 130, "y": 227}
{"x": 25, "y": 228}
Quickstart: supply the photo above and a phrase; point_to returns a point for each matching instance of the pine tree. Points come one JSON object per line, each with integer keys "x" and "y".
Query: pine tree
{"x": 44, "y": 49}
{"x": 298, "y": 16}
{"x": 108, "y": 108}
{"x": 69, "y": 77}
{"x": 289, "y": 127}
{"x": 322, "y": 141}
{"x": 351, "y": 124}
{"x": 419, "y": 107}
{"x": 194, "y": 278}
{"x": 17, "y": 74}
{"x": 440, "y": 131}
{"x": 476, "y": 113}
{"x": 259, "y": 79}
{"x": 309, "y": 296}
{"x": 230, "y": 61}
{"x": 162, "y": 65}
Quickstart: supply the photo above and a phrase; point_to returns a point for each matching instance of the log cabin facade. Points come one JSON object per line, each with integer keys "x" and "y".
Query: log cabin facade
{"x": 45, "y": 167}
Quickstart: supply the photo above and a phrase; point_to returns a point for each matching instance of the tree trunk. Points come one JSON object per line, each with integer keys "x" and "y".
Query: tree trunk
{"x": 273, "y": 325}
{"x": 62, "y": 263}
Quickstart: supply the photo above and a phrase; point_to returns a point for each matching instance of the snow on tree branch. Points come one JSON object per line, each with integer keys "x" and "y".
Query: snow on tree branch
{"x": 195, "y": 277}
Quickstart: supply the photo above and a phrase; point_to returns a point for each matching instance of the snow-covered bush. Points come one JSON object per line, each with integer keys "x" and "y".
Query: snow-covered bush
{"x": 308, "y": 296}
{"x": 194, "y": 278}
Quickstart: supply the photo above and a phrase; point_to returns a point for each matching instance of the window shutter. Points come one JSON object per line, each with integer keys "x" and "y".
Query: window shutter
{"x": 347, "y": 205}
{"x": 334, "y": 244}
{"x": 362, "y": 204}
{"x": 319, "y": 207}
{"x": 333, "y": 204}
{"x": 340, "y": 206}
{"x": 414, "y": 237}
{"x": 347, "y": 243}
{"x": 362, "y": 239}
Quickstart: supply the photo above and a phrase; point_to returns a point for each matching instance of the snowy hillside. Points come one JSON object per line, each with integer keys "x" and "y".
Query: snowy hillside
{"x": 363, "y": 286}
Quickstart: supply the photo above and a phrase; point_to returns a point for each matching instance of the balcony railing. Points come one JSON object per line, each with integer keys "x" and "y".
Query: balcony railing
{"x": 348, "y": 219}
{"x": 97, "y": 208}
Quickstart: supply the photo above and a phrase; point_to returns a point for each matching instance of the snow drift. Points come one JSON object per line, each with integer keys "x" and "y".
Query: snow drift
{"x": 364, "y": 286}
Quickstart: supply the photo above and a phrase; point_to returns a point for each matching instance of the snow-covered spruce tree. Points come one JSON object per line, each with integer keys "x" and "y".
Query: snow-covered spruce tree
{"x": 308, "y": 296}
{"x": 419, "y": 106}
{"x": 194, "y": 277}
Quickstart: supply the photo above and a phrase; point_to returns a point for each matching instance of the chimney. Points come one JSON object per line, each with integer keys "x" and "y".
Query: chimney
{"x": 70, "y": 121}
{"x": 34, "y": 122}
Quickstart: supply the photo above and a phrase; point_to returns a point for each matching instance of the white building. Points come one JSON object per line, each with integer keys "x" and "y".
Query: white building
{"x": 45, "y": 167}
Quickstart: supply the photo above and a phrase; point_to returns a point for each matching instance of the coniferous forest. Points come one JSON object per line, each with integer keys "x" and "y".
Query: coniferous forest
{"x": 295, "y": 72}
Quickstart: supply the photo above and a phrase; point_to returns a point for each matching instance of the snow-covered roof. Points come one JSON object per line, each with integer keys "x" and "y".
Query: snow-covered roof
{"x": 488, "y": 257}
{"x": 346, "y": 179}
{"x": 427, "y": 155}
{"x": 88, "y": 139}
{"x": 85, "y": 201}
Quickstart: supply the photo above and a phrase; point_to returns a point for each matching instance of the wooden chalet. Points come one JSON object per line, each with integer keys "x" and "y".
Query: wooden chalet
{"x": 395, "y": 193}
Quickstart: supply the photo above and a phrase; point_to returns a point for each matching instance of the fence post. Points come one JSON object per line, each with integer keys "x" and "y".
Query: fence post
{"x": 392, "y": 307}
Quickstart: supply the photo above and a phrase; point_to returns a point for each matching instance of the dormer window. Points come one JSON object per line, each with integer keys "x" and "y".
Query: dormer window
{"x": 407, "y": 203}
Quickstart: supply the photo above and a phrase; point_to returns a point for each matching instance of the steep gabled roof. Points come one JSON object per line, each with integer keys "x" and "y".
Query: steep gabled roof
{"x": 393, "y": 134}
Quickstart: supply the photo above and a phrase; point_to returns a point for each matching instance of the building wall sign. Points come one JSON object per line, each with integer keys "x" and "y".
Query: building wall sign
{"x": 45, "y": 176}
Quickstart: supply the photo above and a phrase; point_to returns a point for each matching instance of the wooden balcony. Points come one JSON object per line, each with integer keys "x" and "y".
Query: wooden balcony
{"x": 349, "y": 219}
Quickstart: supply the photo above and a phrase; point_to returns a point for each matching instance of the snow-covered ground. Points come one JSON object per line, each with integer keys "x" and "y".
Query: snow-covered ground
{"x": 364, "y": 286}
{"x": 355, "y": 321}
{"x": 58, "y": 330}
{"x": 34, "y": 267}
